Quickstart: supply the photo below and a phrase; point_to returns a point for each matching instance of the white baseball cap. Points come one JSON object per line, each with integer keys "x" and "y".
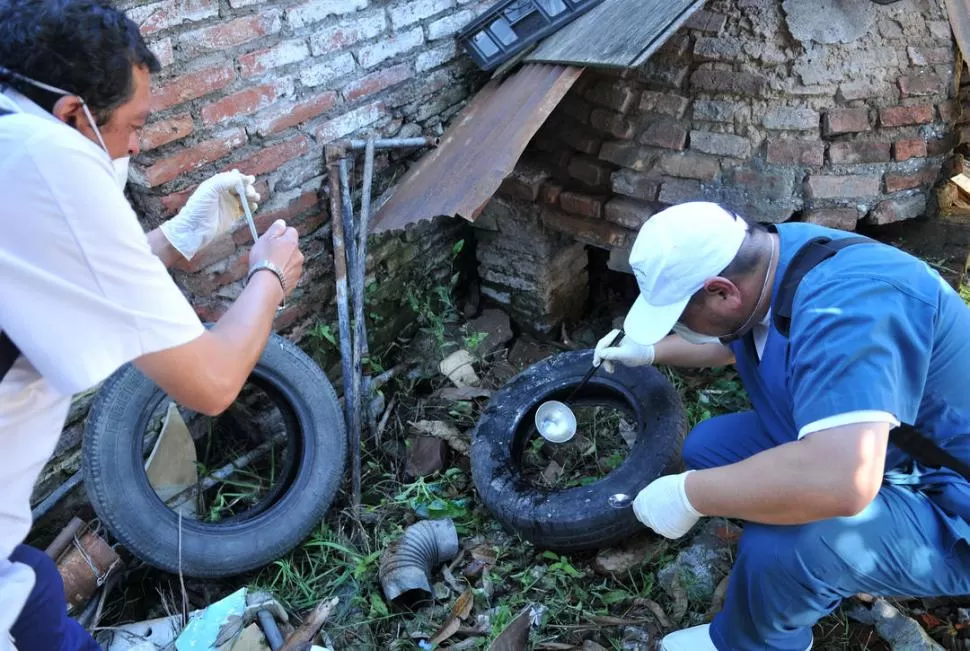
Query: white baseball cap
{"x": 675, "y": 251}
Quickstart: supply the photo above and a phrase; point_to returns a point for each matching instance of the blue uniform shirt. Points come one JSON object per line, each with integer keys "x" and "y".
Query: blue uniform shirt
{"x": 873, "y": 328}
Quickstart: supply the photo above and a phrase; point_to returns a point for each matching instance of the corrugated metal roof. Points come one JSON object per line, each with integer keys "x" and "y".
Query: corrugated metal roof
{"x": 479, "y": 149}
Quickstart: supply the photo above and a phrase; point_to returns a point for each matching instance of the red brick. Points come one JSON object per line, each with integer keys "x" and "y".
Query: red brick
{"x": 305, "y": 202}
{"x": 632, "y": 184}
{"x": 579, "y": 138}
{"x": 280, "y": 54}
{"x": 674, "y": 191}
{"x": 205, "y": 152}
{"x": 241, "y": 103}
{"x": 524, "y": 181}
{"x": 207, "y": 282}
{"x": 666, "y": 134}
{"x": 597, "y": 232}
{"x": 734, "y": 83}
{"x": 590, "y": 170}
{"x": 940, "y": 146}
{"x": 910, "y": 148}
{"x": 163, "y": 132}
{"x": 689, "y": 165}
{"x": 224, "y": 35}
{"x": 172, "y": 203}
{"x": 191, "y": 85}
{"x": 706, "y": 21}
{"x": 311, "y": 222}
{"x": 584, "y": 205}
{"x": 270, "y": 158}
{"x": 796, "y": 152}
{"x": 376, "y": 82}
{"x": 848, "y": 153}
{"x": 898, "y": 209}
{"x": 846, "y": 121}
{"x": 950, "y": 110}
{"x": 549, "y": 192}
{"x": 288, "y": 115}
{"x": 615, "y": 95}
{"x": 664, "y": 103}
{"x": 342, "y": 36}
{"x": 842, "y": 187}
{"x": 210, "y": 310}
{"x": 896, "y": 116}
{"x": 922, "y": 83}
{"x": 218, "y": 249}
{"x": 896, "y": 182}
{"x": 843, "y": 218}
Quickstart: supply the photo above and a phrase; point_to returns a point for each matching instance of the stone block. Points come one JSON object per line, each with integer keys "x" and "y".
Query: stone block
{"x": 853, "y": 90}
{"x": 731, "y": 83}
{"x": 632, "y": 184}
{"x": 591, "y": 171}
{"x": 898, "y": 209}
{"x": 842, "y": 187}
{"x": 711, "y": 110}
{"x": 843, "y": 218}
{"x": 628, "y": 213}
{"x": 667, "y": 134}
{"x": 716, "y": 49}
{"x": 706, "y": 21}
{"x": 664, "y": 73}
{"x": 612, "y": 123}
{"x": 787, "y": 118}
{"x": 838, "y": 121}
{"x": 782, "y": 151}
{"x": 524, "y": 181}
{"x": 616, "y": 95}
{"x": 772, "y": 186}
{"x": 579, "y": 137}
{"x": 849, "y": 153}
{"x": 720, "y": 144}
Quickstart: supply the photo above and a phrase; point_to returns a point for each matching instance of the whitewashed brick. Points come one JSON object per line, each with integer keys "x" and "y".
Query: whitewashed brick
{"x": 163, "y": 51}
{"x": 348, "y": 33}
{"x": 390, "y": 47}
{"x": 169, "y": 13}
{"x": 350, "y": 122}
{"x": 449, "y": 25}
{"x": 435, "y": 57}
{"x": 316, "y": 10}
{"x": 411, "y": 12}
{"x": 332, "y": 68}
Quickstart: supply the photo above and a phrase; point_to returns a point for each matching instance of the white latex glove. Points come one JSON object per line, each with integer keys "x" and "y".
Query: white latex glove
{"x": 211, "y": 210}
{"x": 663, "y": 506}
{"x": 627, "y": 353}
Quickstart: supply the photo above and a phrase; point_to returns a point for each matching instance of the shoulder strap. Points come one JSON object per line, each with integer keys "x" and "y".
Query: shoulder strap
{"x": 8, "y": 349}
{"x": 812, "y": 253}
{"x": 805, "y": 259}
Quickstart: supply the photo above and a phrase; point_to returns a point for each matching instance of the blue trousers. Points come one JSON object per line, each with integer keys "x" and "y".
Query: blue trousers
{"x": 43, "y": 624}
{"x": 786, "y": 578}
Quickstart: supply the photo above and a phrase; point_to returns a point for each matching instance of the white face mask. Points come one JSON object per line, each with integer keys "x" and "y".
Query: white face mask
{"x": 120, "y": 167}
{"x": 694, "y": 337}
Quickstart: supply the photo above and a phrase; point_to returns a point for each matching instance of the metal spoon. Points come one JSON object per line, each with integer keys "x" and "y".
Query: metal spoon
{"x": 554, "y": 420}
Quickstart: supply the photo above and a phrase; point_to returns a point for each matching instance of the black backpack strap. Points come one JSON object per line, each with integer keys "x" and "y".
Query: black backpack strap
{"x": 813, "y": 252}
{"x": 8, "y": 349}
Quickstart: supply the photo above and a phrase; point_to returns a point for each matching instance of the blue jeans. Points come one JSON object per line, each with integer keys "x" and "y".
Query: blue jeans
{"x": 786, "y": 578}
{"x": 43, "y": 624}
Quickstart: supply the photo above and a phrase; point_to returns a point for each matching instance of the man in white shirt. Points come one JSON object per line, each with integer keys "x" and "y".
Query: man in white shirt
{"x": 84, "y": 289}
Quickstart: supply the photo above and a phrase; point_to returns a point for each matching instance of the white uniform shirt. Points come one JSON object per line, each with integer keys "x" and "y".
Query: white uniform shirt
{"x": 82, "y": 294}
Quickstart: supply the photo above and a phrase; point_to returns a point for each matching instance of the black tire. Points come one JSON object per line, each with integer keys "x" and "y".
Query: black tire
{"x": 579, "y": 518}
{"x": 118, "y": 488}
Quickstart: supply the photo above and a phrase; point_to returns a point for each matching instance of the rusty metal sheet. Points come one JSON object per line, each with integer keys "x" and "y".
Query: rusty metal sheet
{"x": 479, "y": 149}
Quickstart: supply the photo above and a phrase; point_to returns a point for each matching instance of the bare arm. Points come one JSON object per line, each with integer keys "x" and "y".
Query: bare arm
{"x": 831, "y": 473}
{"x": 162, "y": 248}
{"x": 207, "y": 373}
{"x": 674, "y": 350}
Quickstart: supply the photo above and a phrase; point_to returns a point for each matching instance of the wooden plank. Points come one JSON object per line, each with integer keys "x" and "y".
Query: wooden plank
{"x": 616, "y": 33}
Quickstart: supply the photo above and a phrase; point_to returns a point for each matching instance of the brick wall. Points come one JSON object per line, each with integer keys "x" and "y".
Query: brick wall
{"x": 263, "y": 86}
{"x": 734, "y": 109}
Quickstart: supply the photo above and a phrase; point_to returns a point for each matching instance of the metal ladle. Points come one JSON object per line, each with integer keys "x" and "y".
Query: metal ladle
{"x": 554, "y": 420}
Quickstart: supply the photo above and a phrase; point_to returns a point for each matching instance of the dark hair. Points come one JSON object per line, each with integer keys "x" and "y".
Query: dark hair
{"x": 85, "y": 47}
{"x": 749, "y": 257}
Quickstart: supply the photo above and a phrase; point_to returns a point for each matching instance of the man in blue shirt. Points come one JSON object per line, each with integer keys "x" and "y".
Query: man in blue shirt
{"x": 831, "y": 506}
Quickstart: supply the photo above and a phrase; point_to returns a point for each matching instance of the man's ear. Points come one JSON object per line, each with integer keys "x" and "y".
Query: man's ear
{"x": 719, "y": 287}
{"x": 68, "y": 109}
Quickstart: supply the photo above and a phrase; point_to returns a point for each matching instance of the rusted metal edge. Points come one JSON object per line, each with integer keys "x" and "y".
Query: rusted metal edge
{"x": 479, "y": 149}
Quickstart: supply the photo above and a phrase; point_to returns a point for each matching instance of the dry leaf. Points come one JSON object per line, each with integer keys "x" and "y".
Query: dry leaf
{"x": 461, "y": 610}
{"x": 656, "y": 609}
{"x": 717, "y": 600}
{"x": 680, "y": 600}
